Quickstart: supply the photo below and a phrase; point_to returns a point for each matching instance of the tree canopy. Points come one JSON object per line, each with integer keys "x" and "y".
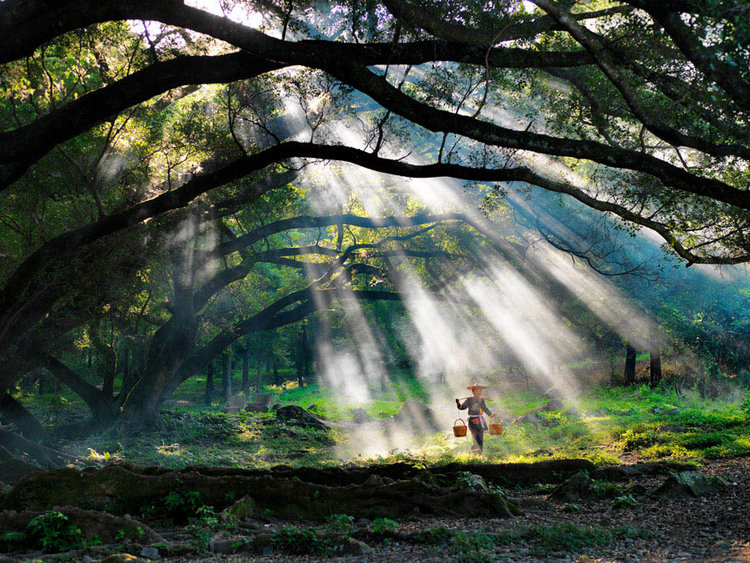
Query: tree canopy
{"x": 145, "y": 141}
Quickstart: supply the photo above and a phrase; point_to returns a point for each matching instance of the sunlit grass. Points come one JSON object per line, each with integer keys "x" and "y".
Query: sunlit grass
{"x": 604, "y": 425}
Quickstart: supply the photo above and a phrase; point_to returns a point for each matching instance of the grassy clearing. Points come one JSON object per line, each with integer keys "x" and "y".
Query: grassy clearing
{"x": 603, "y": 425}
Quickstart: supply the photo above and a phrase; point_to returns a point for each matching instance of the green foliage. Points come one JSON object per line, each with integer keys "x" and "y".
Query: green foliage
{"x": 745, "y": 406}
{"x": 634, "y": 440}
{"x": 624, "y": 501}
{"x": 341, "y": 524}
{"x": 473, "y": 547}
{"x": 205, "y": 524}
{"x": 133, "y": 534}
{"x": 54, "y": 531}
{"x": 605, "y": 489}
{"x": 182, "y": 503}
{"x": 566, "y": 537}
{"x": 383, "y": 526}
{"x": 659, "y": 451}
{"x": 471, "y": 481}
{"x": 196, "y": 428}
{"x": 296, "y": 541}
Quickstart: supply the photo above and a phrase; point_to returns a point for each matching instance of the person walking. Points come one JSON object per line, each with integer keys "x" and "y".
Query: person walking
{"x": 477, "y": 407}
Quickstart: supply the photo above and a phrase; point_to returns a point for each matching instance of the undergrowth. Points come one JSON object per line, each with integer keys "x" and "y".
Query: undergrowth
{"x": 603, "y": 425}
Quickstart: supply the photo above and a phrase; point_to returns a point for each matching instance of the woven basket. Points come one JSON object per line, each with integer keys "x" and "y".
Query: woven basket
{"x": 459, "y": 430}
{"x": 496, "y": 427}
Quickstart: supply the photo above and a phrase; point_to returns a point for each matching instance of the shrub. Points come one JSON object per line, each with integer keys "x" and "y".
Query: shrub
{"x": 624, "y": 501}
{"x": 55, "y": 532}
{"x": 384, "y": 525}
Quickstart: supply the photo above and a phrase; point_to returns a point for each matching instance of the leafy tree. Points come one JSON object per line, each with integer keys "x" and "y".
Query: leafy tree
{"x": 164, "y": 154}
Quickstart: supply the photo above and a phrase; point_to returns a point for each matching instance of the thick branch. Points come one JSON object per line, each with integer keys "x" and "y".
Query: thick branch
{"x": 312, "y": 222}
{"x": 491, "y": 134}
{"x": 605, "y": 61}
{"x": 37, "y": 138}
{"x": 706, "y": 59}
{"x": 11, "y": 301}
{"x": 498, "y": 31}
{"x": 101, "y": 409}
{"x": 26, "y": 422}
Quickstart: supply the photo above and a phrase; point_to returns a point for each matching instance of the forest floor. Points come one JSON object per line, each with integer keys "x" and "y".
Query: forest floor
{"x": 710, "y": 528}
{"x": 618, "y": 518}
{"x": 621, "y": 521}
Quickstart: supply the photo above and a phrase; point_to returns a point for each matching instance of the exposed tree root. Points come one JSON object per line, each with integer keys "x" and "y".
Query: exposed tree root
{"x": 122, "y": 489}
{"x": 45, "y": 456}
{"x": 549, "y": 471}
{"x": 94, "y": 525}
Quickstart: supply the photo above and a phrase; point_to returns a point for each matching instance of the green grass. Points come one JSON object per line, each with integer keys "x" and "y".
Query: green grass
{"x": 604, "y": 424}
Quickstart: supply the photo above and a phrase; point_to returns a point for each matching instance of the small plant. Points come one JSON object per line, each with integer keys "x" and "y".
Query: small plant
{"x": 294, "y": 541}
{"x": 435, "y": 536}
{"x": 384, "y": 525}
{"x": 205, "y": 524}
{"x": 473, "y": 547}
{"x": 183, "y": 503}
{"x": 207, "y": 516}
{"x": 470, "y": 481}
{"x": 571, "y": 507}
{"x": 56, "y": 533}
{"x": 624, "y": 501}
{"x": 341, "y": 524}
{"x": 605, "y": 489}
{"x": 632, "y": 440}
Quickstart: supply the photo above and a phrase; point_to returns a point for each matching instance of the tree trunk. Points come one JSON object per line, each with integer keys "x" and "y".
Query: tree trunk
{"x": 125, "y": 364}
{"x": 655, "y": 355}
{"x": 276, "y": 377}
{"x": 246, "y": 370}
{"x": 307, "y": 353}
{"x": 227, "y": 380}
{"x": 43, "y": 455}
{"x": 101, "y": 409}
{"x": 209, "y": 383}
{"x": 629, "y": 365}
{"x": 655, "y": 367}
{"x": 258, "y": 374}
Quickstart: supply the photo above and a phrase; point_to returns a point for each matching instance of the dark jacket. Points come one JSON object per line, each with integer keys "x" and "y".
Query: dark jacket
{"x": 476, "y": 407}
